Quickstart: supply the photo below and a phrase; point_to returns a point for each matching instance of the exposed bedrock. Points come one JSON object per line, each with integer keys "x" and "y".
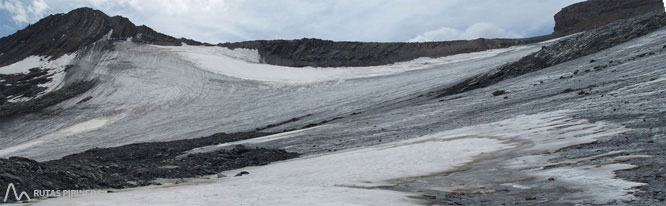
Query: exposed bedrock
{"x": 595, "y": 13}
{"x": 325, "y": 53}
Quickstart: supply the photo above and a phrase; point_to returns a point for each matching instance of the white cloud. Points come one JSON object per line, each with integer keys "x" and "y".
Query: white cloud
{"x": 475, "y": 31}
{"x": 351, "y": 20}
{"x": 23, "y": 11}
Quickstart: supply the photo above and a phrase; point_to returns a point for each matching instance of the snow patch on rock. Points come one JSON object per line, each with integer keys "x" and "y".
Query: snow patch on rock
{"x": 56, "y": 71}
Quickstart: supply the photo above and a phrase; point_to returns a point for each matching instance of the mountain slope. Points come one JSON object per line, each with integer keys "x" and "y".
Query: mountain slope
{"x": 576, "y": 47}
{"x": 38, "y": 56}
{"x": 60, "y": 34}
{"x": 576, "y": 120}
{"x": 381, "y": 140}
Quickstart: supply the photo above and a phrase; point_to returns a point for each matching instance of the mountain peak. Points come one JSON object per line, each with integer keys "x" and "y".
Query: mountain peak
{"x": 85, "y": 11}
{"x": 59, "y": 34}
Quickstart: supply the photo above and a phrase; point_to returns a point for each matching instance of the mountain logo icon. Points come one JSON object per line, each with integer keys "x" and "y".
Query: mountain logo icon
{"x": 18, "y": 197}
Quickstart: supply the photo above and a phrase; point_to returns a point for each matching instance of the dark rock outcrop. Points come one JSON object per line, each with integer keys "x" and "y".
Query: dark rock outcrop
{"x": 22, "y": 84}
{"x": 324, "y": 53}
{"x": 595, "y": 13}
{"x": 135, "y": 164}
{"x": 60, "y": 34}
{"x": 12, "y": 109}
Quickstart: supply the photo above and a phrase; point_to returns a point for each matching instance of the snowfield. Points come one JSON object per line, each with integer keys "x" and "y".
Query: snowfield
{"x": 344, "y": 178}
{"x": 246, "y": 64}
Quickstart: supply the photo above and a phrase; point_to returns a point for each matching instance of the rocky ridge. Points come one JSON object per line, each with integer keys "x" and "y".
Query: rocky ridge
{"x": 322, "y": 53}
{"x": 595, "y": 13}
{"x": 325, "y": 53}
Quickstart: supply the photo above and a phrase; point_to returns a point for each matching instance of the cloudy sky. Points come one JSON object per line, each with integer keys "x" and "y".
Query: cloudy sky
{"x": 217, "y": 21}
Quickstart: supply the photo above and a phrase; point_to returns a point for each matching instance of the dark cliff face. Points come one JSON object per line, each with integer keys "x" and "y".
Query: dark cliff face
{"x": 60, "y": 34}
{"x": 595, "y": 13}
{"x": 323, "y": 53}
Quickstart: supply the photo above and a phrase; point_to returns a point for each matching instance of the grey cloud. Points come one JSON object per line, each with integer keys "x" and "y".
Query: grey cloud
{"x": 24, "y": 11}
{"x": 353, "y": 20}
{"x": 475, "y": 31}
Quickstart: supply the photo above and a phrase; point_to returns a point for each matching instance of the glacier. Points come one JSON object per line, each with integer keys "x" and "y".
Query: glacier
{"x": 375, "y": 137}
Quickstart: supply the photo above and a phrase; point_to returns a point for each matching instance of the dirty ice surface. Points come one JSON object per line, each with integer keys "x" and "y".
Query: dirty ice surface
{"x": 359, "y": 176}
{"x": 85, "y": 126}
{"x": 170, "y": 96}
